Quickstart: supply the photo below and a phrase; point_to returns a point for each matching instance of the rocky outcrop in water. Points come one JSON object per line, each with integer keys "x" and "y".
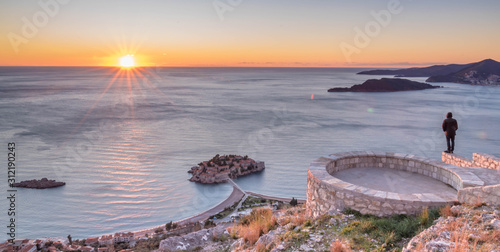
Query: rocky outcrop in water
{"x": 385, "y": 85}
{"x": 220, "y": 168}
{"x": 39, "y": 184}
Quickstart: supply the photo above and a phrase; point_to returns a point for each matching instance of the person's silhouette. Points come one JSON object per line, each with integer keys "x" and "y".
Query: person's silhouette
{"x": 450, "y": 126}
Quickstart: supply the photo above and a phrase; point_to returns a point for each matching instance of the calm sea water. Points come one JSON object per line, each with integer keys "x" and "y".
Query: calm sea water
{"x": 123, "y": 141}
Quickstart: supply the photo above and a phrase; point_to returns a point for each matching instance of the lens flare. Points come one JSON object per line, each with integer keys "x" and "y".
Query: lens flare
{"x": 127, "y": 61}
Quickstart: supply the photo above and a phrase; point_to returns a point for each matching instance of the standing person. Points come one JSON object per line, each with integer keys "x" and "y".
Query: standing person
{"x": 450, "y": 126}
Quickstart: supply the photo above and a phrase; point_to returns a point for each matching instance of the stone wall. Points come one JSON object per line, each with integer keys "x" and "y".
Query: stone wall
{"x": 483, "y": 194}
{"x": 326, "y": 193}
{"x": 456, "y": 160}
{"x": 486, "y": 161}
{"x": 336, "y": 195}
{"x": 478, "y": 160}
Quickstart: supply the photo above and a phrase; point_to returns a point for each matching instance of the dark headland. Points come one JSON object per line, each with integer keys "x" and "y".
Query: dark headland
{"x": 485, "y": 72}
{"x": 39, "y": 184}
{"x": 385, "y": 85}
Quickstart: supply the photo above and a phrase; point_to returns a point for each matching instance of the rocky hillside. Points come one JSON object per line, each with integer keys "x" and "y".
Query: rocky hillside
{"x": 461, "y": 229}
{"x": 458, "y": 228}
{"x": 419, "y": 71}
{"x": 485, "y": 72}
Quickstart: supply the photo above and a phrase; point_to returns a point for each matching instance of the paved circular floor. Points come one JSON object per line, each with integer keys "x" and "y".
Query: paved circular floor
{"x": 390, "y": 180}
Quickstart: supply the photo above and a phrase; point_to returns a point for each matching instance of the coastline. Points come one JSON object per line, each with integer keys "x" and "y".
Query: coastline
{"x": 236, "y": 195}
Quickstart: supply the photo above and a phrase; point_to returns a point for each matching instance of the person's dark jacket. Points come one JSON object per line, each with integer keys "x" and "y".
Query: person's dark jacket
{"x": 450, "y": 126}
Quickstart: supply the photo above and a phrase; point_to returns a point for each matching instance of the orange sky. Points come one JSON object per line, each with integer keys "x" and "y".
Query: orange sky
{"x": 253, "y": 33}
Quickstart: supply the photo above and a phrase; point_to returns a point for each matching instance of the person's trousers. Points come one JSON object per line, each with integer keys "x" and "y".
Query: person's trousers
{"x": 450, "y": 141}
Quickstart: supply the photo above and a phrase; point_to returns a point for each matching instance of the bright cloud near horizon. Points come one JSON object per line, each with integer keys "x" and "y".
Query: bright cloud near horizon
{"x": 280, "y": 33}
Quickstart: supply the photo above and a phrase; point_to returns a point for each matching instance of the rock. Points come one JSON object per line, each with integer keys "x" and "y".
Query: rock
{"x": 455, "y": 210}
{"x": 192, "y": 240}
{"x": 268, "y": 238}
{"x": 385, "y": 85}
{"x": 494, "y": 224}
{"x": 305, "y": 247}
{"x": 334, "y": 221}
{"x": 280, "y": 247}
{"x": 220, "y": 168}
{"x": 469, "y": 222}
{"x": 39, "y": 184}
{"x": 440, "y": 245}
{"x": 238, "y": 243}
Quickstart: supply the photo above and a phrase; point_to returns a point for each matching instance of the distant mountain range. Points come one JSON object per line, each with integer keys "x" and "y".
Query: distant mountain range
{"x": 486, "y": 72}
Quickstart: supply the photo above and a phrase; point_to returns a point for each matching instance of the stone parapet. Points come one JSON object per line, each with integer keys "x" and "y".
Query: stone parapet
{"x": 326, "y": 193}
{"x": 456, "y": 160}
{"x": 482, "y": 194}
{"x": 478, "y": 160}
{"x": 486, "y": 161}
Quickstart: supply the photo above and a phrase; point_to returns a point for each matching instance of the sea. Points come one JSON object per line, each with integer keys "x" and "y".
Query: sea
{"x": 124, "y": 139}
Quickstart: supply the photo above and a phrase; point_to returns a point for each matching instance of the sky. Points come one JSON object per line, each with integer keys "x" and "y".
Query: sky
{"x": 252, "y": 33}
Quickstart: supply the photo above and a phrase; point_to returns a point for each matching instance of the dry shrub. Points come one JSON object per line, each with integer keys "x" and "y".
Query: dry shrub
{"x": 446, "y": 211}
{"x": 252, "y": 226}
{"x": 424, "y": 217}
{"x": 284, "y": 220}
{"x": 250, "y": 235}
{"x": 454, "y": 225}
{"x": 299, "y": 219}
{"x": 261, "y": 248}
{"x": 233, "y": 232}
{"x": 419, "y": 247}
{"x": 492, "y": 236}
{"x": 479, "y": 202}
{"x": 339, "y": 246}
{"x": 461, "y": 240}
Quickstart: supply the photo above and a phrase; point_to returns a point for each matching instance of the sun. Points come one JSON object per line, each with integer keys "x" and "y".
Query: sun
{"x": 127, "y": 61}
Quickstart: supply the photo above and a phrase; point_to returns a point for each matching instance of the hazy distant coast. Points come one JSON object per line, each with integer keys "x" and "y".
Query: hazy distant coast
{"x": 485, "y": 72}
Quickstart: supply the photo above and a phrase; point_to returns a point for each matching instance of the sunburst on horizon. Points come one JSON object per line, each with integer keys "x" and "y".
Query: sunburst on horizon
{"x": 127, "y": 61}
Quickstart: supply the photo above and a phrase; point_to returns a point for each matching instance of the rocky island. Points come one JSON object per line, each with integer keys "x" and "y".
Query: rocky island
{"x": 385, "y": 85}
{"x": 485, "y": 72}
{"x": 220, "y": 168}
{"x": 39, "y": 184}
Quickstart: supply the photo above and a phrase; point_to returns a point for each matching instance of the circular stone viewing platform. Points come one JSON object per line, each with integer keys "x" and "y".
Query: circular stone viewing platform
{"x": 383, "y": 184}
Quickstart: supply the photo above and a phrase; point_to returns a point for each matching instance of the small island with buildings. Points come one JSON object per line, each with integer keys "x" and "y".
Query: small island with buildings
{"x": 220, "y": 168}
